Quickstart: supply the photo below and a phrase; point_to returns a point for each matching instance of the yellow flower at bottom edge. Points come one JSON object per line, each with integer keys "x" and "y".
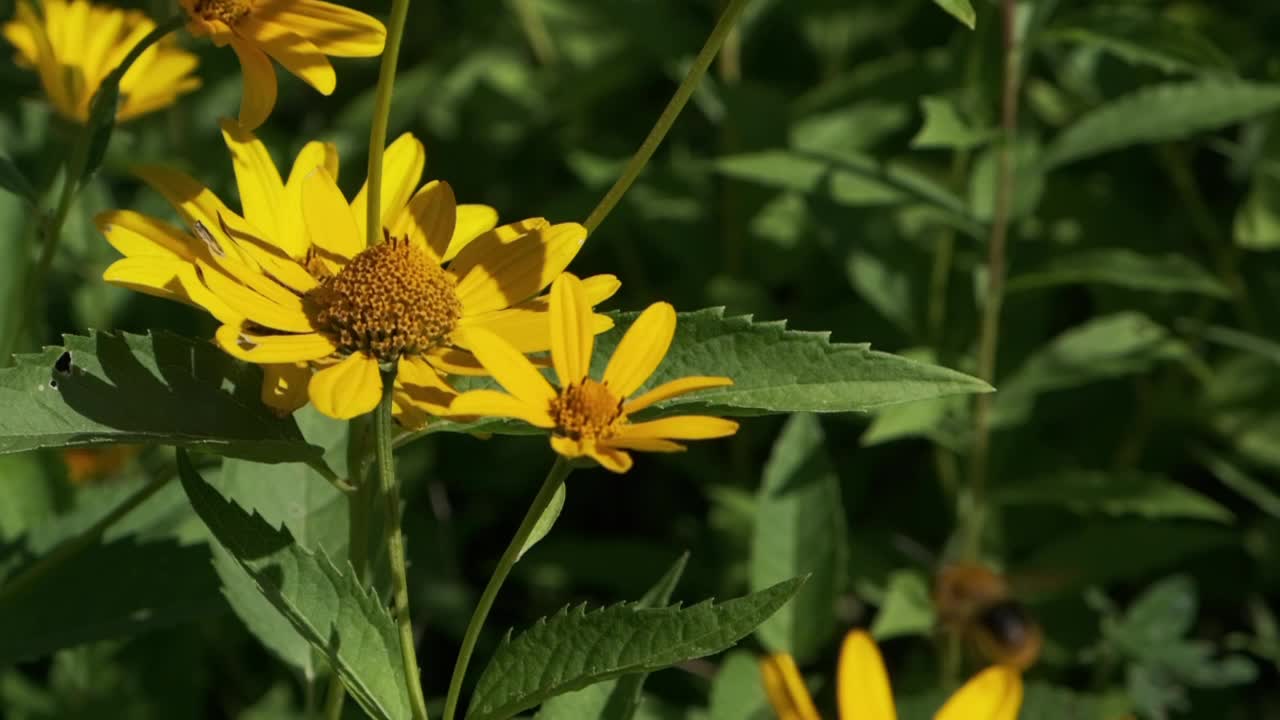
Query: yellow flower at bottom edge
{"x": 76, "y": 44}
{"x": 301, "y": 35}
{"x": 588, "y": 417}
{"x": 298, "y": 291}
{"x": 863, "y": 692}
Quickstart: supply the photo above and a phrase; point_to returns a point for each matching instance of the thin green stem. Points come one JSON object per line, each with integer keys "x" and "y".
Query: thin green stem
{"x": 555, "y": 478}
{"x": 989, "y": 333}
{"x": 381, "y": 118}
{"x": 668, "y": 116}
{"x": 535, "y": 30}
{"x": 390, "y": 490}
{"x": 336, "y": 698}
{"x": 81, "y": 542}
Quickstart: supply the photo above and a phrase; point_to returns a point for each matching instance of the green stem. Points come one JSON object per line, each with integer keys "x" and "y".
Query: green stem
{"x": 993, "y": 301}
{"x": 81, "y": 542}
{"x": 382, "y": 430}
{"x": 335, "y": 699}
{"x": 555, "y": 478}
{"x": 381, "y": 118}
{"x": 668, "y": 116}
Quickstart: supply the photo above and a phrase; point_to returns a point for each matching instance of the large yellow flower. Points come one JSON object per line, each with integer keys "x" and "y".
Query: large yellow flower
{"x": 298, "y": 291}
{"x": 76, "y": 44}
{"x": 589, "y": 417}
{"x": 298, "y": 34}
{"x": 863, "y": 693}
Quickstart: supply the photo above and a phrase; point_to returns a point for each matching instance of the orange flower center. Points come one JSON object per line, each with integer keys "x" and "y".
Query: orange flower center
{"x": 229, "y": 12}
{"x": 390, "y": 300}
{"x": 587, "y": 410}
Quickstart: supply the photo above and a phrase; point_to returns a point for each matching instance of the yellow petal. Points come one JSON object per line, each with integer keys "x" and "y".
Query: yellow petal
{"x": 571, "y": 336}
{"x": 993, "y": 694}
{"x": 297, "y": 54}
{"x": 330, "y": 224}
{"x": 261, "y": 190}
{"x": 428, "y": 220}
{"x": 336, "y": 30}
{"x": 514, "y": 272}
{"x": 681, "y": 427}
{"x": 401, "y": 169}
{"x": 528, "y": 330}
{"x": 611, "y": 459}
{"x": 862, "y": 685}
{"x": 284, "y": 387}
{"x": 259, "y": 94}
{"x": 293, "y": 238}
{"x": 643, "y": 444}
{"x": 568, "y": 447}
{"x": 149, "y": 275}
{"x": 273, "y": 349}
{"x": 352, "y": 387}
{"x": 641, "y": 349}
{"x": 455, "y": 361}
{"x": 138, "y": 235}
{"x": 252, "y": 305}
{"x": 668, "y": 390}
{"x": 512, "y": 370}
{"x": 786, "y": 689}
{"x": 473, "y": 221}
{"x": 198, "y": 206}
{"x": 202, "y": 296}
{"x": 491, "y": 403}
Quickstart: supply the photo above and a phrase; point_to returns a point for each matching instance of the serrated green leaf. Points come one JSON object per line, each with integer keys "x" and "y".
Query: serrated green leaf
{"x": 1120, "y": 267}
{"x": 157, "y": 388}
{"x": 573, "y": 648}
{"x": 1158, "y": 113}
{"x": 850, "y": 179}
{"x": 944, "y": 128}
{"x": 906, "y": 608}
{"x": 614, "y": 699}
{"x": 12, "y": 180}
{"x": 343, "y": 620}
{"x": 800, "y": 530}
{"x": 1131, "y": 493}
{"x": 961, "y": 10}
{"x": 109, "y": 590}
{"x": 1142, "y": 37}
{"x": 1105, "y": 347}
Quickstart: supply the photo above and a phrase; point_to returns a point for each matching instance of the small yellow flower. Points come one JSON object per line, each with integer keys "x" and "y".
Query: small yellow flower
{"x": 76, "y": 44}
{"x": 589, "y": 417}
{"x": 298, "y": 34}
{"x": 863, "y": 693}
{"x": 298, "y": 291}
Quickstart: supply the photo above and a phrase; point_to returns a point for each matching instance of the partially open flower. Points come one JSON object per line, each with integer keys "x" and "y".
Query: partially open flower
{"x": 301, "y": 35}
{"x": 589, "y": 417}
{"x": 297, "y": 289}
{"x": 76, "y": 44}
{"x": 863, "y": 692}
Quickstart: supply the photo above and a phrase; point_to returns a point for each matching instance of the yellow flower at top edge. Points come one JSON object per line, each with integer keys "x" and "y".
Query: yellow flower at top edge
{"x": 301, "y": 35}
{"x": 75, "y": 44}
{"x": 588, "y": 417}
{"x": 298, "y": 291}
{"x": 863, "y": 692}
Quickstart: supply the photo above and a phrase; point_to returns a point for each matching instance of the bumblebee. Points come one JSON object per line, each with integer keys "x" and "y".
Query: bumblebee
{"x": 975, "y": 603}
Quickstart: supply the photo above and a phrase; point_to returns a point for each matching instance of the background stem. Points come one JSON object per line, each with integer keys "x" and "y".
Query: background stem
{"x": 555, "y": 478}
{"x": 381, "y": 118}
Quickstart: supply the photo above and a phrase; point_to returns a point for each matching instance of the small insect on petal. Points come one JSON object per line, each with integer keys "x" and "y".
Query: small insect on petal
{"x": 206, "y": 237}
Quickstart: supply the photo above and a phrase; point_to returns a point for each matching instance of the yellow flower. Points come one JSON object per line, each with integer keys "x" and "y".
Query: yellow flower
{"x": 863, "y": 693}
{"x": 76, "y": 44}
{"x": 297, "y": 290}
{"x": 298, "y": 34}
{"x": 588, "y": 417}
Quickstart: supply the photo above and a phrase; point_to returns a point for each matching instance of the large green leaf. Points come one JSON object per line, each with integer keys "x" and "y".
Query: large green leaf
{"x": 1120, "y": 267}
{"x": 575, "y": 648}
{"x": 850, "y": 179}
{"x": 614, "y": 699}
{"x": 1142, "y": 494}
{"x": 1158, "y": 113}
{"x": 800, "y": 530}
{"x": 343, "y": 620}
{"x": 1141, "y": 36}
{"x": 160, "y": 388}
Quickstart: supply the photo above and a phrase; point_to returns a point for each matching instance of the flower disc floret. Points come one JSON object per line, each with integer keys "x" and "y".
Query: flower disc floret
{"x": 230, "y": 12}
{"x": 391, "y": 300}
{"x": 587, "y": 410}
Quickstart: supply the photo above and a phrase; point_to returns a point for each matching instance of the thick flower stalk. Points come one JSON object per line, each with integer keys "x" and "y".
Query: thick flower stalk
{"x": 75, "y": 44}
{"x": 297, "y": 290}
{"x": 588, "y": 417}
{"x": 301, "y": 35}
{"x": 863, "y": 691}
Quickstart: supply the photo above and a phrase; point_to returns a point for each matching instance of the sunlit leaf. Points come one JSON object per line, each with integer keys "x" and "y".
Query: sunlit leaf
{"x": 906, "y": 608}
{"x": 945, "y": 128}
{"x": 961, "y": 10}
